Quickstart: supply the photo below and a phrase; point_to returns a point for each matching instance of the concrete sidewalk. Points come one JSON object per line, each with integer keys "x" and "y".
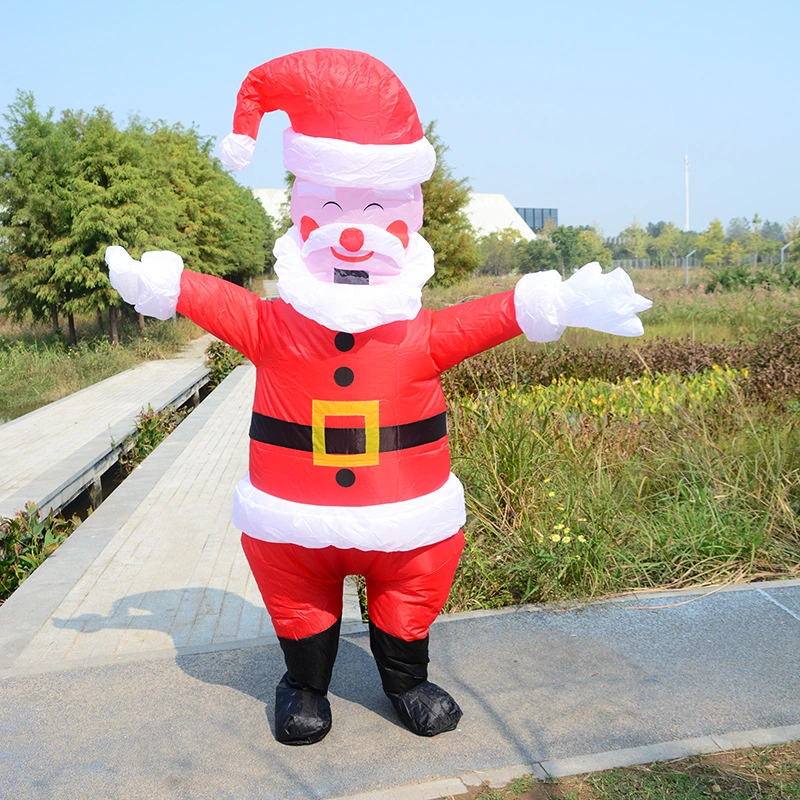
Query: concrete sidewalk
{"x": 138, "y": 662}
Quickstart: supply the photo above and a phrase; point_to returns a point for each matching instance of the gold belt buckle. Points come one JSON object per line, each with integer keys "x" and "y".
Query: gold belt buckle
{"x": 321, "y": 409}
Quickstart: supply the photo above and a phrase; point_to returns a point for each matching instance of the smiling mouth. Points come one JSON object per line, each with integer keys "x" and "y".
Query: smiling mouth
{"x": 353, "y": 259}
{"x": 354, "y": 277}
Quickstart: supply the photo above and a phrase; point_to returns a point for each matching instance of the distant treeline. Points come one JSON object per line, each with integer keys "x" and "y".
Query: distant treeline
{"x": 566, "y": 247}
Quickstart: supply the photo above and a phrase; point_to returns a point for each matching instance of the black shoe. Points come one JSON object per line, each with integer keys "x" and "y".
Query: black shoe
{"x": 301, "y": 715}
{"x": 427, "y": 709}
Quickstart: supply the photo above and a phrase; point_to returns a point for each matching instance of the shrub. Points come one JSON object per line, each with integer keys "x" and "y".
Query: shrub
{"x": 773, "y": 365}
{"x": 152, "y": 427}
{"x": 26, "y": 540}
{"x": 222, "y": 359}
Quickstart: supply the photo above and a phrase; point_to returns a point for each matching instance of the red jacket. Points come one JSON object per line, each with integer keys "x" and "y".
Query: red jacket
{"x": 341, "y": 419}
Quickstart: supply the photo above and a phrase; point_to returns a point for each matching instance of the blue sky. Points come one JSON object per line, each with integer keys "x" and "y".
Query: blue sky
{"x": 586, "y": 107}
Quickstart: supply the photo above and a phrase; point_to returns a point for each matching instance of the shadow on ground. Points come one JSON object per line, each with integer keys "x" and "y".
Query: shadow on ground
{"x": 251, "y": 667}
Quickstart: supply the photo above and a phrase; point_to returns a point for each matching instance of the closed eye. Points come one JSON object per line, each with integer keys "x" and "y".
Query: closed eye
{"x": 332, "y": 203}
{"x": 377, "y": 205}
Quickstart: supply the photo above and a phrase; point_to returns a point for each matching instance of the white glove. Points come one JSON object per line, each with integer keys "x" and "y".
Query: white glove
{"x": 589, "y": 299}
{"x": 151, "y": 285}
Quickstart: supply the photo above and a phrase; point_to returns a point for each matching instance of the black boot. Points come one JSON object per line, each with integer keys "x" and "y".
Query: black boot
{"x": 302, "y": 710}
{"x": 423, "y": 707}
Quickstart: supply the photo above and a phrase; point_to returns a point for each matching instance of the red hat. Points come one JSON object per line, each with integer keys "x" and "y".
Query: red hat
{"x": 353, "y": 123}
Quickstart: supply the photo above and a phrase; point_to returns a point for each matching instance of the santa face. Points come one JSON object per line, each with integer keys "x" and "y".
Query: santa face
{"x": 354, "y": 258}
{"x": 355, "y": 236}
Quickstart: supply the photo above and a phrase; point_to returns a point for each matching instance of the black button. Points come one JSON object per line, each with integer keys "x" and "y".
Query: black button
{"x": 344, "y": 342}
{"x": 345, "y": 478}
{"x": 343, "y": 376}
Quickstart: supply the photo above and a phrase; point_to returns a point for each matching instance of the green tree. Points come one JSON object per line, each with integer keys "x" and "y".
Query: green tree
{"x": 68, "y": 189}
{"x": 36, "y": 158}
{"x": 537, "y": 255}
{"x": 688, "y": 242}
{"x": 666, "y": 244}
{"x": 754, "y": 241}
{"x": 499, "y": 252}
{"x": 654, "y": 229}
{"x": 591, "y": 247}
{"x": 114, "y": 200}
{"x": 579, "y": 246}
{"x": 738, "y": 228}
{"x": 219, "y": 227}
{"x": 635, "y": 240}
{"x": 445, "y": 225}
{"x": 711, "y": 244}
{"x": 772, "y": 230}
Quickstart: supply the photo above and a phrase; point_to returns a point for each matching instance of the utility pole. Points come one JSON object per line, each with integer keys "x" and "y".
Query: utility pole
{"x": 686, "y": 261}
{"x": 783, "y": 250}
{"x": 686, "y": 182}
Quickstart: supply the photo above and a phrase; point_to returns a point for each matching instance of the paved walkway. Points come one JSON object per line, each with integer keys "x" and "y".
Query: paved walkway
{"x": 53, "y": 453}
{"x": 138, "y": 662}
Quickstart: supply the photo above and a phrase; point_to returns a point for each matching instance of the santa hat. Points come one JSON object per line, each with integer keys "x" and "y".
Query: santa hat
{"x": 353, "y": 122}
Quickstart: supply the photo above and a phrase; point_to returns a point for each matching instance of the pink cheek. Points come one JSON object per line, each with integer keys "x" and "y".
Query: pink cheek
{"x": 399, "y": 229}
{"x": 307, "y": 227}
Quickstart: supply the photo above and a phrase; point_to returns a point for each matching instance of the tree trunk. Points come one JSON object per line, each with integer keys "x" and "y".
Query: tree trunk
{"x": 113, "y": 325}
{"x": 141, "y": 323}
{"x": 100, "y": 321}
{"x": 73, "y": 336}
{"x": 54, "y": 318}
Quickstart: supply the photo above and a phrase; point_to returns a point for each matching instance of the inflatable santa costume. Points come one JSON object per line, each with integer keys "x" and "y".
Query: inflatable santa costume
{"x": 349, "y": 461}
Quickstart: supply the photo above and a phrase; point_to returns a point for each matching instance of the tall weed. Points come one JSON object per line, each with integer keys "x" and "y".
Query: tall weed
{"x": 36, "y": 371}
{"x": 568, "y": 500}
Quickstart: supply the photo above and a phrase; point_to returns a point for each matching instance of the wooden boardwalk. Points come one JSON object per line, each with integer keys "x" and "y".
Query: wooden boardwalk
{"x": 158, "y": 566}
{"x": 53, "y": 453}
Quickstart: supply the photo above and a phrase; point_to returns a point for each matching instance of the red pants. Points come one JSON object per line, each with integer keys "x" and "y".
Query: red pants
{"x": 302, "y": 587}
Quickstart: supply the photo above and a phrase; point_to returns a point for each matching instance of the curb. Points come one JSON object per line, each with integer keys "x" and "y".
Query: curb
{"x": 580, "y": 765}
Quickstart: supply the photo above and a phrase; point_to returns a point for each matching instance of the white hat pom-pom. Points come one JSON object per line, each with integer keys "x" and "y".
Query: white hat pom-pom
{"x": 236, "y": 150}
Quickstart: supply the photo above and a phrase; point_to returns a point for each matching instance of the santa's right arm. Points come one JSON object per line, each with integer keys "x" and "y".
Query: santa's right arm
{"x": 158, "y": 286}
{"x": 541, "y": 306}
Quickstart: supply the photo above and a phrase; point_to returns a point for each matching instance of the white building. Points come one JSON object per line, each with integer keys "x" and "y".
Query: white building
{"x": 491, "y": 213}
{"x": 488, "y": 213}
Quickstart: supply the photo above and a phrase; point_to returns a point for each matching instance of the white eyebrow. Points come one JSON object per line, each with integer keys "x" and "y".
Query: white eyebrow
{"x": 309, "y": 189}
{"x": 393, "y": 194}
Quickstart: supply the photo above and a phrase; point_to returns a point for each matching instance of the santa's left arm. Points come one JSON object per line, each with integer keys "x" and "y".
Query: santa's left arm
{"x": 158, "y": 286}
{"x": 541, "y": 306}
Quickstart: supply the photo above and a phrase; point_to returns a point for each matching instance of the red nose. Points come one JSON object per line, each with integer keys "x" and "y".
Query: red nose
{"x": 351, "y": 239}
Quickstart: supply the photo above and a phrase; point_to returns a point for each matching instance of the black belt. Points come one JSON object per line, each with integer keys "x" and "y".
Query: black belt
{"x": 346, "y": 441}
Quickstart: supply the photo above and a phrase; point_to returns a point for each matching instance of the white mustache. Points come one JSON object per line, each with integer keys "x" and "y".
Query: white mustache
{"x": 376, "y": 239}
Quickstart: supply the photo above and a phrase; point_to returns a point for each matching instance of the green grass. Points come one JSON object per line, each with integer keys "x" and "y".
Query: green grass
{"x": 570, "y": 499}
{"x": 744, "y": 315}
{"x": 37, "y": 368}
{"x": 678, "y": 311}
{"x": 763, "y": 773}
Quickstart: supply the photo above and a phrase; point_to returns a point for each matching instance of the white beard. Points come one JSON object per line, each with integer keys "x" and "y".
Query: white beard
{"x": 349, "y": 308}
